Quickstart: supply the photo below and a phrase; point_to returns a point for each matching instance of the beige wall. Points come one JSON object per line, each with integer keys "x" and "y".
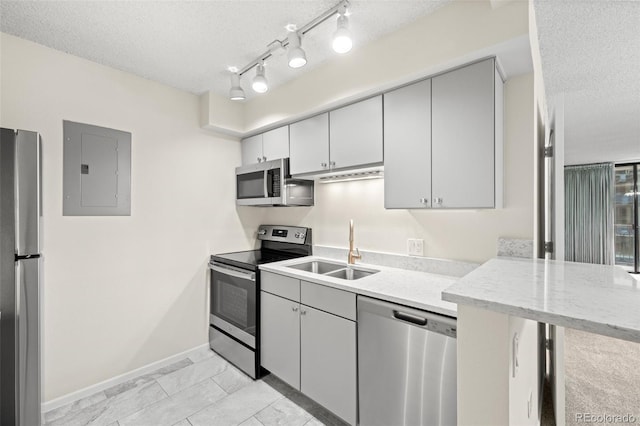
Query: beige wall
{"x": 121, "y": 292}
{"x": 455, "y": 234}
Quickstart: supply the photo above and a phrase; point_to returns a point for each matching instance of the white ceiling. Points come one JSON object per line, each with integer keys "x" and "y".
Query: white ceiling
{"x": 190, "y": 44}
{"x": 590, "y": 53}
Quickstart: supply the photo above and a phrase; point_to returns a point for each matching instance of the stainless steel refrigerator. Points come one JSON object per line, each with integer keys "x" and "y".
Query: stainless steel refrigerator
{"x": 20, "y": 213}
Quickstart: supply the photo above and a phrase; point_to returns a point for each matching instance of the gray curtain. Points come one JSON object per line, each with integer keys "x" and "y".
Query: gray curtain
{"x": 588, "y": 213}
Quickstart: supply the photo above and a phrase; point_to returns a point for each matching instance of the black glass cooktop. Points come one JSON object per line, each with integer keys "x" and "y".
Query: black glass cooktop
{"x": 252, "y": 258}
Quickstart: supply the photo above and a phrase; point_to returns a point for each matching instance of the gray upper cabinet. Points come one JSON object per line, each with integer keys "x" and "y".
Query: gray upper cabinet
{"x": 266, "y": 146}
{"x": 275, "y": 143}
{"x": 356, "y": 134}
{"x": 309, "y": 145}
{"x": 463, "y": 137}
{"x": 252, "y": 150}
{"x": 407, "y": 147}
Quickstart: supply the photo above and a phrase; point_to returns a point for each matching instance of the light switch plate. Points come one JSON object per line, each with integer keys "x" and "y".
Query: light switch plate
{"x": 415, "y": 247}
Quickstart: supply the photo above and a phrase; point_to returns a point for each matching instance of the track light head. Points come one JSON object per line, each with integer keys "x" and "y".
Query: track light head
{"x": 260, "y": 84}
{"x": 297, "y": 57}
{"x": 236, "y": 93}
{"x": 342, "y": 42}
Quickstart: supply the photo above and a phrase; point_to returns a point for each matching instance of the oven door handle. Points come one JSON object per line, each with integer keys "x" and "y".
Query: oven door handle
{"x": 251, "y": 276}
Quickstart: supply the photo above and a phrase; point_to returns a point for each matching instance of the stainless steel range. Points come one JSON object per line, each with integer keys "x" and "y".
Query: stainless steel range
{"x": 234, "y": 312}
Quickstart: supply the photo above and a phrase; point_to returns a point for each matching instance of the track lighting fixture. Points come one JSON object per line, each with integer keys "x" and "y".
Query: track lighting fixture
{"x": 260, "y": 84}
{"x": 296, "y": 56}
{"x": 342, "y": 37}
{"x": 236, "y": 93}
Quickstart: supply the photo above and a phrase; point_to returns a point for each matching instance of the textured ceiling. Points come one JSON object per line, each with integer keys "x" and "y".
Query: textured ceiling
{"x": 190, "y": 44}
{"x": 590, "y": 53}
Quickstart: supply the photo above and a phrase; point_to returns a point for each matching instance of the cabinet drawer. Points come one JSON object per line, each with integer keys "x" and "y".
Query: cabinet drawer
{"x": 280, "y": 285}
{"x": 337, "y": 302}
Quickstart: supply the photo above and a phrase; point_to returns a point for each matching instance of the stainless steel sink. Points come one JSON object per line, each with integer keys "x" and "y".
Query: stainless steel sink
{"x": 334, "y": 270}
{"x": 351, "y": 273}
{"x": 318, "y": 266}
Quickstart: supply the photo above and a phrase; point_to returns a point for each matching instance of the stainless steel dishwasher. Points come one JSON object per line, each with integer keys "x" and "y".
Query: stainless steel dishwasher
{"x": 406, "y": 365}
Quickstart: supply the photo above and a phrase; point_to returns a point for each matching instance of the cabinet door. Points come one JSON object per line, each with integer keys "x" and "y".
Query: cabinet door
{"x": 280, "y": 337}
{"x": 309, "y": 145}
{"x": 275, "y": 143}
{"x": 356, "y": 134}
{"x": 463, "y": 123}
{"x": 252, "y": 150}
{"x": 407, "y": 147}
{"x": 328, "y": 361}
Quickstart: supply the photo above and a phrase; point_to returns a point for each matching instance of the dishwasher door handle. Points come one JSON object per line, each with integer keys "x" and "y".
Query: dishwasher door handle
{"x": 413, "y": 319}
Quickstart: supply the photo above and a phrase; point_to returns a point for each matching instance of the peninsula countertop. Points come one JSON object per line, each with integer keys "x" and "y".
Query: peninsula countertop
{"x": 594, "y": 298}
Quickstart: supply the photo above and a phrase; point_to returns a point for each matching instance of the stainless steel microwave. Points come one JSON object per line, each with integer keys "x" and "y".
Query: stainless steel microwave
{"x": 269, "y": 184}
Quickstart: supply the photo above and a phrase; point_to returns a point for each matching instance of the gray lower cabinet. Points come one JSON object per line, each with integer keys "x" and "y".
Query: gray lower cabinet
{"x": 328, "y": 361}
{"x": 312, "y": 348}
{"x": 280, "y": 337}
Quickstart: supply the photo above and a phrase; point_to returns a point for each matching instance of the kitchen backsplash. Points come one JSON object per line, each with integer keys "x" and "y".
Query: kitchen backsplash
{"x": 423, "y": 264}
{"x": 514, "y": 247}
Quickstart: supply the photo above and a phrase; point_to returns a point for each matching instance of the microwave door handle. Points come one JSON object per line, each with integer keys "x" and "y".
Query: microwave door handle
{"x": 266, "y": 190}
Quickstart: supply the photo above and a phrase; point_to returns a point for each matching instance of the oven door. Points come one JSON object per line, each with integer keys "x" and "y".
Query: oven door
{"x": 233, "y": 302}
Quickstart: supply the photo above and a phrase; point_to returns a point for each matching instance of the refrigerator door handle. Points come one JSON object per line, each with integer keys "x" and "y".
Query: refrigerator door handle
{"x": 28, "y": 319}
{"x": 27, "y": 183}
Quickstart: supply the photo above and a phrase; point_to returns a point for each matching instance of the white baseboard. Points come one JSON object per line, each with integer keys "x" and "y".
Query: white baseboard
{"x": 90, "y": 390}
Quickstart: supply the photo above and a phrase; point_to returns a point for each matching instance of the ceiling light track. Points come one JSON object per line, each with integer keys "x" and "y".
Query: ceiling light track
{"x": 296, "y": 55}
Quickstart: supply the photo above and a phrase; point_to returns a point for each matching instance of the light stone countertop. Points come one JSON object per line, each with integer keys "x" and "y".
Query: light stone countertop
{"x": 416, "y": 289}
{"x": 594, "y": 298}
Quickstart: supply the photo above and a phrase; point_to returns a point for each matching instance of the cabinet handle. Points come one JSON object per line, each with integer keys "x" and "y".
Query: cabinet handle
{"x": 259, "y": 160}
{"x": 332, "y": 163}
{"x": 302, "y": 312}
{"x": 264, "y": 158}
{"x": 294, "y": 308}
{"x": 437, "y": 201}
{"x": 324, "y": 165}
{"x": 423, "y": 201}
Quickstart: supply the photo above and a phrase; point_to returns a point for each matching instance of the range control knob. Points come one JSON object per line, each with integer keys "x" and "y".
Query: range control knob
{"x": 262, "y": 232}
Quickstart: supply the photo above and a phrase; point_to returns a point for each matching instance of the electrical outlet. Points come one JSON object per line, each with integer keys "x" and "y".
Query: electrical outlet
{"x": 415, "y": 247}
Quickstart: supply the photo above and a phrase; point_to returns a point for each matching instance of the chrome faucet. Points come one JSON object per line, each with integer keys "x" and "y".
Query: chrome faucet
{"x": 352, "y": 256}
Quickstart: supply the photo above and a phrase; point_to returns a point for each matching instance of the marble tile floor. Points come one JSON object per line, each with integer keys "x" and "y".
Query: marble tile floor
{"x": 201, "y": 390}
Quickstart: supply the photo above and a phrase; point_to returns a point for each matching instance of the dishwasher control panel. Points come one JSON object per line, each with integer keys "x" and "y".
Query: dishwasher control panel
{"x": 441, "y": 328}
